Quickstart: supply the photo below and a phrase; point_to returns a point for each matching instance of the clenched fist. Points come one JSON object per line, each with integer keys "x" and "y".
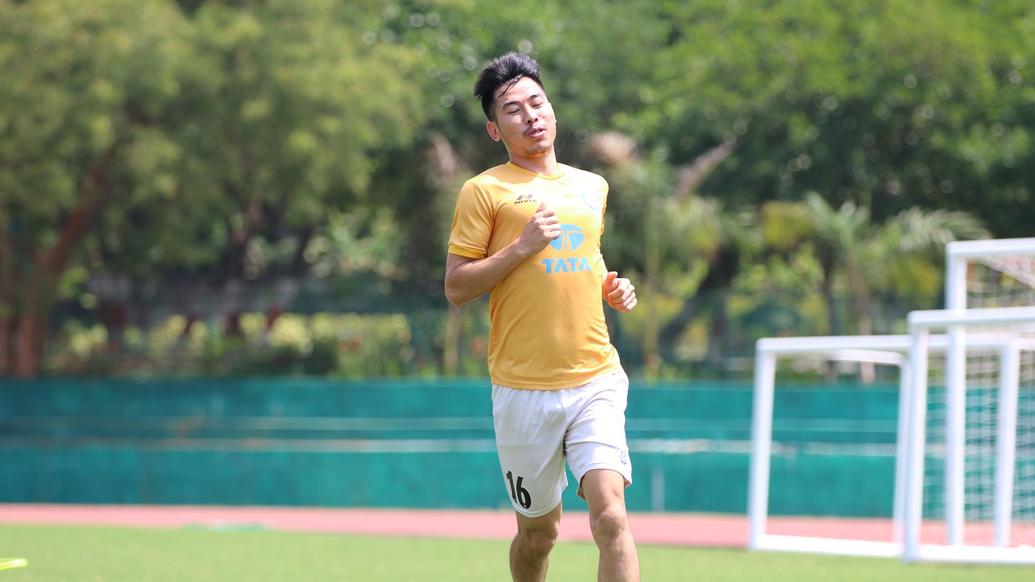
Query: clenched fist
{"x": 543, "y": 227}
{"x": 619, "y": 293}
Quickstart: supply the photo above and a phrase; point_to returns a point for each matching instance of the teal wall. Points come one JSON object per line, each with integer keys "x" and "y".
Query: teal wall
{"x": 421, "y": 444}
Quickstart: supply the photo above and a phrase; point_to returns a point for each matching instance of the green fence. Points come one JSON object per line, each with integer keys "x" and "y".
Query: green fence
{"x": 421, "y": 444}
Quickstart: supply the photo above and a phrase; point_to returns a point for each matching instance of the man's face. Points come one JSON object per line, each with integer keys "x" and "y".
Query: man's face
{"x": 524, "y": 119}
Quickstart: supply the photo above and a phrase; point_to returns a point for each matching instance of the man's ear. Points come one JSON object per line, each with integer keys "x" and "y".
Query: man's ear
{"x": 493, "y": 129}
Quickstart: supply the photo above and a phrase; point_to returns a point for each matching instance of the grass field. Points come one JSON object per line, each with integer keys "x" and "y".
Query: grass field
{"x": 88, "y": 554}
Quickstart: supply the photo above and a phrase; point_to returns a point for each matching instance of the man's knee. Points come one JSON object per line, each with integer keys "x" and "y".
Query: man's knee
{"x": 609, "y": 523}
{"x": 538, "y": 541}
{"x": 539, "y": 536}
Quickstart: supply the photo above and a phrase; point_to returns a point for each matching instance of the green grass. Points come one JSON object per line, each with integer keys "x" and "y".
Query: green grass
{"x": 86, "y": 554}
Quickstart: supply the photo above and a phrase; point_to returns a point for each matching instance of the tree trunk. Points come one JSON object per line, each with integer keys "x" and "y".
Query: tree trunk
{"x": 652, "y": 265}
{"x": 675, "y": 326}
{"x": 8, "y": 298}
{"x": 29, "y": 347}
{"x": 722, "y": 269}
{"x": 7, "y": 326}
{"x": 717, "y": 341}
{"x": 826, "y": 289}
{"x": 6, "y": 345}
{"x": 861, "y": 304}
{"x": 37, "y": 296}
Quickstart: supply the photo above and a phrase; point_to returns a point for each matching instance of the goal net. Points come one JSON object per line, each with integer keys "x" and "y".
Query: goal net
{"x": 964, "y": 485}
{"x": 977, "y": 499}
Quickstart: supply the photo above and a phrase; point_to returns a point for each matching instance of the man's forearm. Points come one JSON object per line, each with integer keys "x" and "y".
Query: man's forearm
{"x": 469, "y": 280}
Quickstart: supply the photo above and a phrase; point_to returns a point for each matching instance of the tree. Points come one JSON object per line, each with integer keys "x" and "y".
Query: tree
{"x": 304, "y": 96}
{"x": 171, "y": 148}
{"x": 684, "y": 244}
{"x": 851, "y": 248}
{"x": 853, "y": 100}
{"x": 86, "y": 87}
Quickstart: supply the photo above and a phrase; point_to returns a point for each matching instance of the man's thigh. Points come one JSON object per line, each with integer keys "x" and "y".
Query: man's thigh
{"x": 530, "y": 427}
{"x": 596, "y": 438}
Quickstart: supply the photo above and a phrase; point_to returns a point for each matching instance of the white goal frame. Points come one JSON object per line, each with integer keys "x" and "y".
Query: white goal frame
{"x": 921, "y": 325}
{"x": 958, "y": 255}
{"x": 889, "y": 350}
{"x": 909, "y": 353}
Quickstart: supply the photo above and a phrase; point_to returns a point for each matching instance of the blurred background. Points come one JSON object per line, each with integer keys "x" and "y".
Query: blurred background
{"x": 212, "y": 209}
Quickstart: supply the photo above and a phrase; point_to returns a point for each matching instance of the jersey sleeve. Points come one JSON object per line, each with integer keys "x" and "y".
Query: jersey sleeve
{"x": 603, "y": 207}
{"x": 472, "y": 223}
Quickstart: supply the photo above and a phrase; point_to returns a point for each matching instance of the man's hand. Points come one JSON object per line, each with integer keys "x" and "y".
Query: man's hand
{"x": 619, "y": 293}
{"x": 543, "y": 227}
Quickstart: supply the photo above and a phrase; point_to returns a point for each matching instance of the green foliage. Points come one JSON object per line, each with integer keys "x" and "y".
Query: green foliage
{"x": 87, "y": 87}
{"x": 858, "y": 101}
{"x": 336, "y": 345}
{"x": 213, "y": 141}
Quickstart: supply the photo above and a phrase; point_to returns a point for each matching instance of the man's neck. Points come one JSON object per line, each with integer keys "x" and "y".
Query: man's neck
{"x": 545, "y": 165}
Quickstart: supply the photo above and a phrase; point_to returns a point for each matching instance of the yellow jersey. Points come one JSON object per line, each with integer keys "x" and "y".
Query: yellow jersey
{"x": 547, "y": 316}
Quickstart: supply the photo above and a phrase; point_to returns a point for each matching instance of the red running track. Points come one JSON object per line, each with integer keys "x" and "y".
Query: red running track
{"x": 649, "y": 528}
{"x": 678, "y": 529}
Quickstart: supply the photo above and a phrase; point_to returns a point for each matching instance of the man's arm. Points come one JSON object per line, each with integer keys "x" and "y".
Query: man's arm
{"x": 467, "y": 279}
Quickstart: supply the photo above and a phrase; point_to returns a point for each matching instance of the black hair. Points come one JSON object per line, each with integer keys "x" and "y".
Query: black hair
{"x": 504, "y": 70}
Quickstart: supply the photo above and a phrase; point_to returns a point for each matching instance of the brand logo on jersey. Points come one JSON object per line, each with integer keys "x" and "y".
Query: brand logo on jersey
{"x": 567, "y": 265}
{"x": 571, "y": 239}
{"x": 523, "y": 198}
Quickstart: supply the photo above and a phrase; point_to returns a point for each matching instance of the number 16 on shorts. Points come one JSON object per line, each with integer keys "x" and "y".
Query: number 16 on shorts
{"x": 518, "y": 493}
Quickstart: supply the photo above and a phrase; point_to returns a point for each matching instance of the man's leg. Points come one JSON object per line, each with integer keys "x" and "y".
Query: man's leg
{"x": 530, "y": 550}
{"x": 604, "y": 491}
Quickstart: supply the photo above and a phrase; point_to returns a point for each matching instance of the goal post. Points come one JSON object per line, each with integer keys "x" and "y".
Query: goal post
{"x": 964, "y": 486}
{"x": 886, "y": 350}
{"x": 882, "y": 350}
{"x": 990, "y": 274}
{"x": 987, "y": 338}
{"x": 978, "y": 449}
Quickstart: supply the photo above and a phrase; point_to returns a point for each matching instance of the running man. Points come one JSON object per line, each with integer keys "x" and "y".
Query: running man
{"x": 529, "y": 232}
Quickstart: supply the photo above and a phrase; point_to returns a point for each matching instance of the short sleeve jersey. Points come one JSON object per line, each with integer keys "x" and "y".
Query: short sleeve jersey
{"x": 547, "y": 318}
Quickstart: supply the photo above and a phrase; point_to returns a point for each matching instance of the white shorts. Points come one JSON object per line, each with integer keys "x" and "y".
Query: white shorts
{"x": 537, "y": 429}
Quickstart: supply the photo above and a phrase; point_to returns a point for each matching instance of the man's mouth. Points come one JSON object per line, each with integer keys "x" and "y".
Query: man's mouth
{"x": 536, "y": 132}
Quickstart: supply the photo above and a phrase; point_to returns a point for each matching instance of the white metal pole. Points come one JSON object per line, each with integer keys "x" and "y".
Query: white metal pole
{"x": 955, "y": 279}
{"x": 1006, "y": 441}
{"x": 898, "y": 515}
{"x": 914, "y": 485}
{"x": 955, "y": 434}
{"x": 955, "y": 402}
{"x": 761, "y": 445}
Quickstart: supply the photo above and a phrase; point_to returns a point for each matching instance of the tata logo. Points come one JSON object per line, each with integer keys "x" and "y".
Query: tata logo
{"x": 566, "y": 265}
{"x": 571, "y": 238}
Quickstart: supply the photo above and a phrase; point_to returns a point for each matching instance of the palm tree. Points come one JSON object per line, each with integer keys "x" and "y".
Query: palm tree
{"x": 868, "y": 258}
{"x": 711, "y": 239}
{"x": 838, "y": 237}
{"x": 675, "y": 228}
{"x": 848, "y": 245}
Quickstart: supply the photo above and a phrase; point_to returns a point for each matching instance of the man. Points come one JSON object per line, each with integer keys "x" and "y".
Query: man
{"x": 529, "y": 231}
